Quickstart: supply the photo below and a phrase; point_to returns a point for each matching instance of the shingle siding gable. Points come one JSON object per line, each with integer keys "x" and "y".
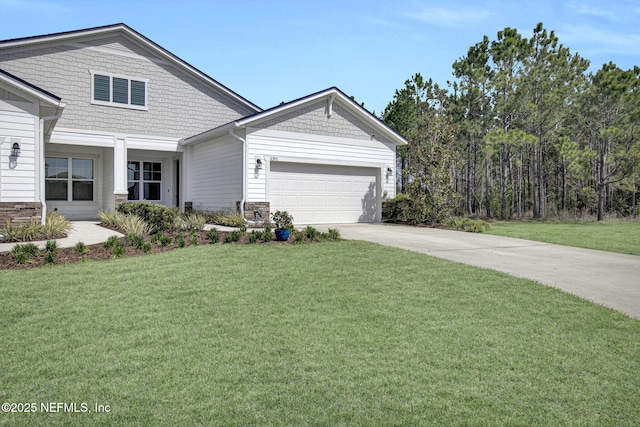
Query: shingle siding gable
{"x": 179, "y": 105}
{"x": 313, "y": 119}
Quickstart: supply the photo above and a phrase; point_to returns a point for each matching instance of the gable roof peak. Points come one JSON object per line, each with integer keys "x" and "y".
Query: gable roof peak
{"x": 140, "y": 39}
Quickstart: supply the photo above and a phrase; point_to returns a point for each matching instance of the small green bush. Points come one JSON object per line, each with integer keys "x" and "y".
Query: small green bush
{"x": 111, "y": 242}
{"x": 50, "y": 251}
{"x": 233, "y": 236}
{"x": 136, "y": 240}
{"x": 193, "y": 236}
{"x": 81, "y": 248}
{"x": 24, "y": 253}
{"x": 180, "y": 241}
{"x": 146, "y": 248}
{"x": 254, "y": 236}
{"x": 267, "y": 235}
{"x": 161, "y": 218}
{"x": 400, "y": 209}
{"x": 30, "y": 249}
{"x": 234, "y": 219}
{"x": 298, "y": 237}
{"x": 191, "y": 221}
{"x": 311, "y": 233}
{"x": 467, "y": 224}
{"x": 212, "y": 236}
{"x": 332, "y": 234}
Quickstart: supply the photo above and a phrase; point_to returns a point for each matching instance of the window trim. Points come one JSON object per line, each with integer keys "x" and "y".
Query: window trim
{"x": 141, "y": 181}
{"x": 70, "y": 180}
{"x": 111, "y": 102}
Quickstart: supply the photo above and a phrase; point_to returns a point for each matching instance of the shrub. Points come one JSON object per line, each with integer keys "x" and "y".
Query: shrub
{"x": 311, "y": 233}
{"x": 24, "y": 253}
{"x": 234, "y": 219}
{"x": 298, "y": 237}
{"x": 400, "y": 209}
{"x": 191, "y": 221}
{"x": 118, "y": 250}
{"x": 180, "y": 241}
{"x": 254, "y": 236}
{"x": 136, "y": 240}
{"x": 30, "y": 249}
{"x": 161, "y": 218}
{"x": 146, "y": 248}
{"x": 212, "y": 235}
{"x": 194, "y": 238}
{"x": 332, "y": 234}
{"x": 81, "y": 248}
{"x": 51, "y": 250}
{"x": 55, "y": 226}
{"x": 128, "y": 223}
{"x": 467, "y": 224}
{"x": 164, "y": 240}
{"x": 111, "y": 242}
{"x": 233, "y": 236}
{"x": 267, "y": 235}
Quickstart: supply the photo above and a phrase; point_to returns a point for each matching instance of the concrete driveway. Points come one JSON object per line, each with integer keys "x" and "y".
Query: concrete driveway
{"x": 606, "y": 278}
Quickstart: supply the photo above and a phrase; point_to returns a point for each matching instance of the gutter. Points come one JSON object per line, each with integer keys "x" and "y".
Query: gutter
{"x": 41, "y": 190}
{"x": 244, "y": 167}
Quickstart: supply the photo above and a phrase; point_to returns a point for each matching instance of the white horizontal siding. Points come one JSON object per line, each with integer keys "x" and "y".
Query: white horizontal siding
{"x": 216, "y": 174}
{"x": 17, "y": 174}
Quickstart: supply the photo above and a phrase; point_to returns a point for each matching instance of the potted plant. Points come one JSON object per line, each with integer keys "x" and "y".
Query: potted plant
{"x": 283, "y": 222}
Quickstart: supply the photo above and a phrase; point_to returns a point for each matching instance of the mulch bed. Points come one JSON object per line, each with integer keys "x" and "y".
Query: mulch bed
{"x": 99, "y": 252}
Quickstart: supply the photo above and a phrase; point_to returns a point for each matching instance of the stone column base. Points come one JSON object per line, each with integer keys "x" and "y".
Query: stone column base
{"x": 119, "y": 199}
{"x": 20, "y": 212}
{"x": 256, "y": 211}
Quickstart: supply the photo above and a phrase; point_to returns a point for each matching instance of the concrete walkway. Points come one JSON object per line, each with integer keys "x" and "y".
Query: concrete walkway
{"x": 87, "y": 232}
{"x": 606, "y": 278}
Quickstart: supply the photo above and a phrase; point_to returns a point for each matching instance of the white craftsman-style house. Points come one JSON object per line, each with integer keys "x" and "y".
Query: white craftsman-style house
{"x": 93, "y": 118}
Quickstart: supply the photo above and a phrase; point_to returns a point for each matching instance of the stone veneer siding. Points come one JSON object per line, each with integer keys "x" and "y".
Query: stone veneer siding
{"x": 20, "y": 212}
{"x": 256, "y": 211}
{"x": 120, "y": 199}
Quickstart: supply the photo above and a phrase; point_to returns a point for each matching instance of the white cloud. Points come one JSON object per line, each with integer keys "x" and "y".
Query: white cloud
{"x": 449, "y": 17}
{"x": 588, "y": 38}
{"x": 594, "y": 11}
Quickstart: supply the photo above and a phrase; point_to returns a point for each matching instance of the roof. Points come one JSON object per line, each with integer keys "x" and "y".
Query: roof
{"x": 270, "y": 113}
{"x": 30, "y": 88}
{"x": 125, "y": 29}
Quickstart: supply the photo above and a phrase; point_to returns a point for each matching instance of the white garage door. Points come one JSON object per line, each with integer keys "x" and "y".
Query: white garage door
{"x": 317, "y": 194}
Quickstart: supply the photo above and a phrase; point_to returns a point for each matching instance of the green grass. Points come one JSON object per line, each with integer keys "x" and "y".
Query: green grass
{"x": 346, "y": 333}
{"x": 613, "y": 236}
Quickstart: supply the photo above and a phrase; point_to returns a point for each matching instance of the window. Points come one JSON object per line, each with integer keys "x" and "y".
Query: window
{"x": 69, "y": 179}
{"x": 120, "y": 91}
{"x": 144, "y": 180}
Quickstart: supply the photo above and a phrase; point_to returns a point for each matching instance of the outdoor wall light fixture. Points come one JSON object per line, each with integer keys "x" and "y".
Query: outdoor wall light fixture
{"x": 389, "y": 170}
{"x": 15, "y": 149}
{"x": 259, "y": 163}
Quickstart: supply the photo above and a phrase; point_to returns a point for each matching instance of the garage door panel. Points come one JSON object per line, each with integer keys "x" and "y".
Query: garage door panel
{"x": 323, "y": 193}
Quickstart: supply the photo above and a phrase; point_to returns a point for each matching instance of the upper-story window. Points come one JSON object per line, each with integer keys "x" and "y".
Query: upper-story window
{"x": 118, "y": 91}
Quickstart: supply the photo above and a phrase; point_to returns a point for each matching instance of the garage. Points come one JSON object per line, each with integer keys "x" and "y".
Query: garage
{"x": 324, "y": 193}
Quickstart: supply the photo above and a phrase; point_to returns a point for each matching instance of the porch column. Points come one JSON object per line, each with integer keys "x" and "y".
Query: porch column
{"x": 120, "y": 190}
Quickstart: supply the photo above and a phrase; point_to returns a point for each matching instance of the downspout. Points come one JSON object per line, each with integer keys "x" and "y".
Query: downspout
{"x": 244, "y": 168}
{"x": 41, "y": 191}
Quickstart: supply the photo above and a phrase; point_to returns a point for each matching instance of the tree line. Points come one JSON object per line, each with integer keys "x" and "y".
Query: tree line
{"x": 522, "y": 130}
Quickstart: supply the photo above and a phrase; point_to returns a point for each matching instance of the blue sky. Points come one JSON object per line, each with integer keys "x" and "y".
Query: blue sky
{"x": 279, "y": 50}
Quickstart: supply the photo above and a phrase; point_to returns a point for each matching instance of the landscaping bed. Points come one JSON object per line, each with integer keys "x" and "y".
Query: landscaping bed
{"x": 157, "y": 243}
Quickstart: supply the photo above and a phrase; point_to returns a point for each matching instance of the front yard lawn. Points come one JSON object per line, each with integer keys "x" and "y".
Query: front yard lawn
{"x": 341, "y": 333}
{"x": 613, "y": 236}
